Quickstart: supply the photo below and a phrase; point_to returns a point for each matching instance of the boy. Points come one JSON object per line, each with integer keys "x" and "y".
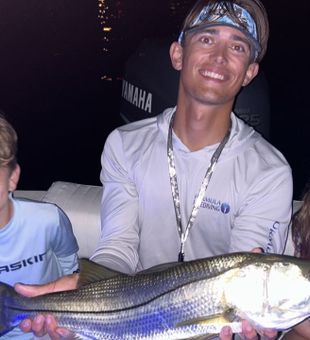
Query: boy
{"x": 37, "y": 244}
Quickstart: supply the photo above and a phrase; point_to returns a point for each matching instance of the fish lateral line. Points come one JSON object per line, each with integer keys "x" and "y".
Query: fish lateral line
{"x": 228, "y": 316}
{"x": 109, "y": 311}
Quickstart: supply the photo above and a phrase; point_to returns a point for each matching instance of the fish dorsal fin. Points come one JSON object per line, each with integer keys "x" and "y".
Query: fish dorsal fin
{"x": 92, "y": 272}
{"x": 160, "y": 267}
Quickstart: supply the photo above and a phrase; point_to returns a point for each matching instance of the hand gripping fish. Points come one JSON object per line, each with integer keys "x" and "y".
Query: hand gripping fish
{"x": 175, "y": 301}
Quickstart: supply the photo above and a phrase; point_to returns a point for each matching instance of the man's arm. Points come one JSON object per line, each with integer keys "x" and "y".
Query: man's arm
{"x": 264, "y": 213}
{"x": 118, "y": 244}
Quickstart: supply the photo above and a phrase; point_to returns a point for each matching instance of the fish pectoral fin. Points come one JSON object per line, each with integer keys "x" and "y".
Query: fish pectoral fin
{"x": 220, "y": 319}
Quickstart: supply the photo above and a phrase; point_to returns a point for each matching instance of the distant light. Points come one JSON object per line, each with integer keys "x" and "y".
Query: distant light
{"x": 107, "y": 29}
{"x": 106, "y": 78}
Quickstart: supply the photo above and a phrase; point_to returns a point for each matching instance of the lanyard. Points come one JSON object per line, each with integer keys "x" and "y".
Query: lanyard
{"x": 175, "y": 189}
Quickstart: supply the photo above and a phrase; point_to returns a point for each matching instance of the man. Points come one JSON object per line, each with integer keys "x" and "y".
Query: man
{"x": 197, "y": 181}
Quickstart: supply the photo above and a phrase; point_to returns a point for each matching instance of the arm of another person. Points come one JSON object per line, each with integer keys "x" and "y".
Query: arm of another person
{"x": 299, "y": 332}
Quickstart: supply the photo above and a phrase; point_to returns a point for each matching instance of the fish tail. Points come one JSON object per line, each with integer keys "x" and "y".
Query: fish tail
{"x": 6, "y": 295}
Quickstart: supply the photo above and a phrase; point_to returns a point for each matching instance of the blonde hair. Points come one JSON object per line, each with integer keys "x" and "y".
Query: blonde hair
{"x": 254, "y": 7}
{"x": 8, "y": 144}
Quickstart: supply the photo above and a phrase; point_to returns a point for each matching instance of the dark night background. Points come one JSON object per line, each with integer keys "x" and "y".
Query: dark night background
{"x": 61, "y": 91}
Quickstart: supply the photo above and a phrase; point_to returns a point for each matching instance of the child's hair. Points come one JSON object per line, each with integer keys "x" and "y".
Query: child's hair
{"x": 8, "y": 144}
{"x": 301, "y": 227}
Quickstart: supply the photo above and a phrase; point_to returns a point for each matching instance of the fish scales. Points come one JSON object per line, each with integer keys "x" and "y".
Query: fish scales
{"x": 176, "y": 301}
{"x": 124, "y": 291}
{"x": 150, "y": 322}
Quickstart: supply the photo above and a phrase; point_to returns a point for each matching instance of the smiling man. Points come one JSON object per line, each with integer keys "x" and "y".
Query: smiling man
{"x": 196, "y": 181}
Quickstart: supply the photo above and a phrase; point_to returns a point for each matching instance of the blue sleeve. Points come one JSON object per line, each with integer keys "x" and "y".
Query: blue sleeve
{"x": 64, "y": 242}
{"x": 69, "y": 264}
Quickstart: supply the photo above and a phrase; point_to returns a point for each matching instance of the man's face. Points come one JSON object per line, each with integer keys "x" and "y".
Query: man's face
{"x": 8, "y": 181}
{"x": 214, "y": 64}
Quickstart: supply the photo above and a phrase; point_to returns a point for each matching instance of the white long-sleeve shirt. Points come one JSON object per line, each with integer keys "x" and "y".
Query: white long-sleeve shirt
{"x": 247, "y": 203}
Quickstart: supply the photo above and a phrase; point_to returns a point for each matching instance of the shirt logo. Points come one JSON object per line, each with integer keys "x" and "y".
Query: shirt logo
{"x": 225, "y": 208}
{"x": 272, "y": 232}
{"x": 22, "y": 263}
{"x": 215, "y": 205}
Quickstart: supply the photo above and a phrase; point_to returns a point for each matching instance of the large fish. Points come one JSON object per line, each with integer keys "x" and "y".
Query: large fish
{"x": 177, "y": 301}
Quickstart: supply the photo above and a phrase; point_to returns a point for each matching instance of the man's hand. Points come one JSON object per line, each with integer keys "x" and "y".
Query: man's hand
{"x": 46, "y": 324}
{"x": 249, "y": 333}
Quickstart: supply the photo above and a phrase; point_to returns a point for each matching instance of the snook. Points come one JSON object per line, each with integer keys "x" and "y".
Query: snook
{"x": 175, "y": 301}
